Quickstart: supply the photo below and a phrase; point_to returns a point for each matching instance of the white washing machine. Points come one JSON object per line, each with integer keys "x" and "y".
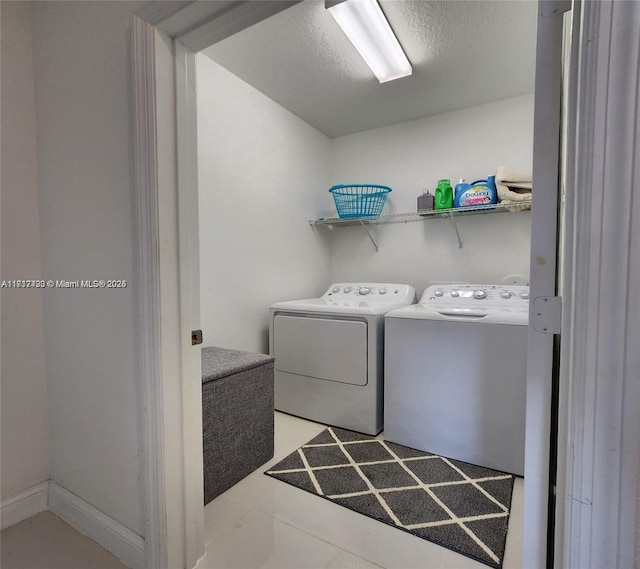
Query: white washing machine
{"x": 455, "y": 374}
{"x": 329, "y": 353}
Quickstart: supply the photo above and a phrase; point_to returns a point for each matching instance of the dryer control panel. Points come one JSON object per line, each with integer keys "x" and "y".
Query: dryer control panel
{"x": 381, "y": 292}
{"x": 476, "y": 297}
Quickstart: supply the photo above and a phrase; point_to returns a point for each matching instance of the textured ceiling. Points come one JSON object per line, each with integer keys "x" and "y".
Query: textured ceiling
{"x": 464, "y": 53}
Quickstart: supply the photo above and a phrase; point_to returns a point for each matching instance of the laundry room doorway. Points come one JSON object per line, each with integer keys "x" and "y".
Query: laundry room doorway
{"x": 179, "y": 222}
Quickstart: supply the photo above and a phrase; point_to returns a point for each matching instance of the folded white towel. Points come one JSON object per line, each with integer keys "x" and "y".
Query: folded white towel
{"x": 513, "y": 187}
{"x": 505, "y": 174}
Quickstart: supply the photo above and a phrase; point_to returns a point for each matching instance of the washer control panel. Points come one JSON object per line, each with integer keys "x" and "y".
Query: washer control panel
{"x": 380, "y": 292}
{"x": 476, "y": 296}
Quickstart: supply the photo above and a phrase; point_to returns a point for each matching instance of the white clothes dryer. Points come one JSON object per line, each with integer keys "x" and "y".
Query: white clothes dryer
{"x": 329, "y": 353}
{"x": 455, "y": 374}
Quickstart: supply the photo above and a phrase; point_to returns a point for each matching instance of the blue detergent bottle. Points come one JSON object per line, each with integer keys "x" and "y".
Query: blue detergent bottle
{"x": 479, "y": 192}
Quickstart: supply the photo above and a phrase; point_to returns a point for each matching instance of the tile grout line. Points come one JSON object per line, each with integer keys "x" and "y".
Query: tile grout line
{"x": 313, "y": 535}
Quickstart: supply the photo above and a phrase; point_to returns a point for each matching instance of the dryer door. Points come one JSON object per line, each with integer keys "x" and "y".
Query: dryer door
{"x": 322, "y": 348}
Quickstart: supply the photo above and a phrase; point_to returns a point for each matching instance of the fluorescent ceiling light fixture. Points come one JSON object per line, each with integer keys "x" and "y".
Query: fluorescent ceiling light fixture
{"x": 369, "y": 31}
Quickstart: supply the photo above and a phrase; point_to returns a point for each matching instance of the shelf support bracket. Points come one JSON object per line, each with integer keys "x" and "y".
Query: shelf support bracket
{"x": 455, "y": 228}
{"x": 363, "y": 225}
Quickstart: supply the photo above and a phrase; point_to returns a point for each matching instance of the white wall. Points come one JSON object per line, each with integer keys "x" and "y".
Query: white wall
{"x": 263, "y": 173}
{"x": 412, "y": 156}
{"x": 84, "y": 121}
{"x": 262, "y": 176}
{"x": 25, "y": 445}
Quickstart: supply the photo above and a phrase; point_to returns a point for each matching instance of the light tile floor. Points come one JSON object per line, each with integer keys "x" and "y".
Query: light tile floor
{"x": 44, "y": 541}
{"x": 263, "y": 523}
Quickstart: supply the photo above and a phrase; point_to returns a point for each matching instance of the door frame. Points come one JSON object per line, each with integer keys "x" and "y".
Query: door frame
{"x": 598, "y": 475}
{"x": 171, "y": 400}
{"x": 164, "y": 37}
{"x": 542, "y": 364}
{"x": 166, "y": 416}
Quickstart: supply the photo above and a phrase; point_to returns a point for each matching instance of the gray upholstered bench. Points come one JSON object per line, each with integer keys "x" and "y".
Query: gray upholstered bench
{"x": 237, "y": 416}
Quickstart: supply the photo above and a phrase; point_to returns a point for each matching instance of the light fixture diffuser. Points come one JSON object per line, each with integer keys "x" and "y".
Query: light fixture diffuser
{"x": 369, "y": 31}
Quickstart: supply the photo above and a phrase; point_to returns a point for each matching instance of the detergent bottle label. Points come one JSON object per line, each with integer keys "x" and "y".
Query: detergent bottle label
{"x": 477, "y": 195}
{"x": 480, "y": 192}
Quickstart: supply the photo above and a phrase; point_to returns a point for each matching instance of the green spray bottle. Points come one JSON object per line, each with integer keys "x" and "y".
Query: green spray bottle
{"x": 443, "y": 195}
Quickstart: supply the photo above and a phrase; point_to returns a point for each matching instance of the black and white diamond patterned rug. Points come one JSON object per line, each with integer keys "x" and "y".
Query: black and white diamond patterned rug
{"x": 454, "y": 504}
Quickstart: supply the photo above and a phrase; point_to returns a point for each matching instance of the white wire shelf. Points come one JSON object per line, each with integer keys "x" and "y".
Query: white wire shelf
{"x": 450, "y": 214}
{"x": 415, "y": 216}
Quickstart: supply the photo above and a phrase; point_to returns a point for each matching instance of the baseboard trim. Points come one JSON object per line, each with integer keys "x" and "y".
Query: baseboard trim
{"x": 24, "y": 505}
{"x": 113, "y": 536}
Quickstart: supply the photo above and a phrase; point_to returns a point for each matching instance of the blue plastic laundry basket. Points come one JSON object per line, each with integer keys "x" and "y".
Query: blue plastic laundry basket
{"x": 359, "y": 200}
